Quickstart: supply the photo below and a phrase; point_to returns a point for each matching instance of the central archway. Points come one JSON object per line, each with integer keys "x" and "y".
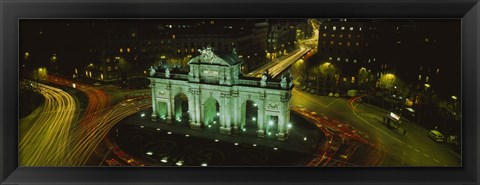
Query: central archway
{"x": 211, "y": 114}
{"x": 181, "y": 109}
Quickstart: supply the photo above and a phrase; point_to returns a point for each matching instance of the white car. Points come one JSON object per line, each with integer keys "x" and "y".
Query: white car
{"x": 97, "y": 84}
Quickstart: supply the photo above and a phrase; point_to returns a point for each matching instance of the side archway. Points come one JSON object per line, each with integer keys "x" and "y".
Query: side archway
{"x": 180, "y": 107}
{"x": 211, "y": 112}
{"x": 249, "y": 116}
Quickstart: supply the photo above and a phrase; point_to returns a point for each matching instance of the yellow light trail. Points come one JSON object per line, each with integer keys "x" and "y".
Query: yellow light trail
{"x": 50, "y": 130}
{"x": 55, "y": 139}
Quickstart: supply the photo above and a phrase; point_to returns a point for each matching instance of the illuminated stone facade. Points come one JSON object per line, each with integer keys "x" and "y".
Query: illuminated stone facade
{"x": 217, "y": 96}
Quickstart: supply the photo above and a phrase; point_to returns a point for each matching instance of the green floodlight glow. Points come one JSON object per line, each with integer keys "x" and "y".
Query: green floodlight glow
{"x": 270, "y": 122}
{"x": 164, "y": 160}
{"x": 244, "y": 129}
{"x": 179, "y": 163}
{"x": 254, "y": 119}
{"x": 289, "y": 125}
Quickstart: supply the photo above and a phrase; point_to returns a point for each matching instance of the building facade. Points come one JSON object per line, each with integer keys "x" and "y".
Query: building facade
{"x": 215, "y": 94}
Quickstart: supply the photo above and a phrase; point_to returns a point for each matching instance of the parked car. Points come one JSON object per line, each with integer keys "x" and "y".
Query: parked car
{"x": 97, "y": 84}
{"x": 330, "y": 94}
{"x": 313, "y": 91}
{"x": 304, "y": 87}
{"x": 336, "y": 95}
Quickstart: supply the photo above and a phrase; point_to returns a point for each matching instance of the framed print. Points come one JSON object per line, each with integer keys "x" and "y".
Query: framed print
{"x": 242, "y": 92}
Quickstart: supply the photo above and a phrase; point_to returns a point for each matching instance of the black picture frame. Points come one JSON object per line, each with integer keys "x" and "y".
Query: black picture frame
{"x": 467, "y": 10}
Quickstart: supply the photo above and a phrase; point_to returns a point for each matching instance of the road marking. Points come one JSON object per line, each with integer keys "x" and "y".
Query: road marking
{"x": 416, "y": 150}
{"x": 409, "y": 146}
{"x": 426, "y": 155}
{"x": 377, "y": 128}
{"x": 436, "y": 160}
{"x": 328, "y": 105}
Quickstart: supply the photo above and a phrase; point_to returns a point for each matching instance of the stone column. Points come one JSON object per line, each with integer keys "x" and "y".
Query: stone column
{"x": 154, "y": 102}
{"x": 169, "y": 104}
{"x": 283, "y": 118}
{"x": 191, "y": 107}
{"x": 236, "y": 121}
{"x": 261, "y": 118}
{"x": 198, "y": 109}
{"x": 195, "y": 111}
{"x": 243, "y": 113}
{"x": 225, "y": 114}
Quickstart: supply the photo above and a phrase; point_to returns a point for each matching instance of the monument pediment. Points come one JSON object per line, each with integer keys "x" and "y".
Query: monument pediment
{"x": 208, "y": 56}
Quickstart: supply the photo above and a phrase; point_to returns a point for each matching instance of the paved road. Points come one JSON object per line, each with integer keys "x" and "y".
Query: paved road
{"x": 414, "y": 149}
{"x": 46, "y": 143}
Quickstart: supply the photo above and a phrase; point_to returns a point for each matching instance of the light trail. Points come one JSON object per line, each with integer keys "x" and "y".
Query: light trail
{"x": 277, "y": 67}
{"x": 49, "y": 135}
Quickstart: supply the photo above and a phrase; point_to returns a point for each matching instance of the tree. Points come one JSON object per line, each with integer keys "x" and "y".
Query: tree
{"x": 299, "y": 69}
{"x": 362, "y": 78}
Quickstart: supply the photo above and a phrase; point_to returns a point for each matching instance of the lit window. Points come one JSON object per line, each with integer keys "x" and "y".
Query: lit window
{"x": 348, "y": 43}
{"x": 346, "y": 60}
{"x": 343, "y": 27}
{"x": 173, "y": 36}
{"x": 438, "y": 70}
{"x": 334, "y": 28}
{"x": 349, "y": 36}
{"x": 331, "y": 42}
{"x": 355, "y": 61}
{"x": 128, "y": 50}
{"x": 324, "y": 35}
{"x": 340, "y": 36}
{"x": 357, "y": 44}
{"x": 351, "y": 28}
{"x": 121, "y": 50}
{"x": 332, "y": 35}
{"x": 426, "y": 79}
{"x": 338, "y": 59}
{"x": 360, "y": 29}
{"x": 325, "y": 27}
{"x": 133, "y": 34}
{"x": 340, "y": 43}
{"x": 329, "y": 58}
{"x": 419, "y": 77}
